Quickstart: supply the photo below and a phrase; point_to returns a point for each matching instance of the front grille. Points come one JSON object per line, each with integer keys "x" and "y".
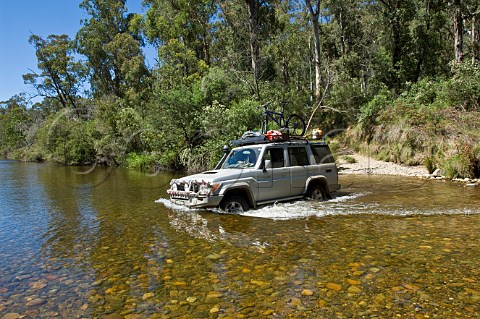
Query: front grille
{"x": 194, "y": 187}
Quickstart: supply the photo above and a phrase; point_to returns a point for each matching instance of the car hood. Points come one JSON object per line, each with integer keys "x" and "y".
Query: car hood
{"x": 213, "y": 176}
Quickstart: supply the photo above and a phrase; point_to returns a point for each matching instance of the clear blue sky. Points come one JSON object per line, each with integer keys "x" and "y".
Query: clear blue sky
{"x": 19, "y": 19}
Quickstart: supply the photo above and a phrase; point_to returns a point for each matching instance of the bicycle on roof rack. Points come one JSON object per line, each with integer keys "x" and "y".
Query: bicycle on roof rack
{"x": 294, "y": 124}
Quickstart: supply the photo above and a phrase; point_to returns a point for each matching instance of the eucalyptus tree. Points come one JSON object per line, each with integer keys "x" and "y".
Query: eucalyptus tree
{"x": 246, "y": 29}
{"x": 112, "y": 47}
{"x": 190, "y": 22}
{"x": 61, "y": 76}
{"x": 458, "y": 30}
{"x": 472, "y": 25}
{"x": 14, "y": 124}
{"x": 314, "y": 9}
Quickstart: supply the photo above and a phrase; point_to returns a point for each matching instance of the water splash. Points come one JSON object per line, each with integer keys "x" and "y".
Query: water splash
{"x": 342, "y": 204}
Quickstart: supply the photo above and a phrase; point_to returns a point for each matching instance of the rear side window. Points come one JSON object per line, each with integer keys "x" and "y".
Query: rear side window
{"x": 298, "y": 156}
{"x": 322, "y": 154}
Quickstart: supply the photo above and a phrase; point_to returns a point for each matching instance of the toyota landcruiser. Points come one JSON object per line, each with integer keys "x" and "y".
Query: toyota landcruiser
{"x": 261, "y": 173}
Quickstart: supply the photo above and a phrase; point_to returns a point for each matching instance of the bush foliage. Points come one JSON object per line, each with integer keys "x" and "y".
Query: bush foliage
{"x": 388, "y": 73}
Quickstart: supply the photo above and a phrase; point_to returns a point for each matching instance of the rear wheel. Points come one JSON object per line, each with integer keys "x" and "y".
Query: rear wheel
{"x": 234, "y": 204}
{"x": 317, "y": 192}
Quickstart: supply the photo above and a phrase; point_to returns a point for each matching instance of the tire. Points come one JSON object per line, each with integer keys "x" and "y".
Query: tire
{"x": 295, "y": 125}
{"x": 234, "y": 204}
{"x": 317, "y": 192}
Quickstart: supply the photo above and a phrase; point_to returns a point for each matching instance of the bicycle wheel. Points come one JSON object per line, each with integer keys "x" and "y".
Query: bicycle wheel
{"x": 295, "y": 125}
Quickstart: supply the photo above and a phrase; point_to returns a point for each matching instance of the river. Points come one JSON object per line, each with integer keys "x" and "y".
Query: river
{"x": 105, "y": 243}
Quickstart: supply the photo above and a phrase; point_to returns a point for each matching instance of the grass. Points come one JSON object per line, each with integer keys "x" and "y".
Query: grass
{"x": 349, "y": 159}
{"x": 451, "y": 142}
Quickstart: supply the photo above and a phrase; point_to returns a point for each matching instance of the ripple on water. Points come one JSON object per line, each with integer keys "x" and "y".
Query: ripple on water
{"x": 341, "y": 204}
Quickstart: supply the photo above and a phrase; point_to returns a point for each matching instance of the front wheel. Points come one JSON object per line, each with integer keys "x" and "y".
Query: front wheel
{"x": 295, "y": 125}
{"x": 234, "y": 204}
{"x": 317, "y": 192}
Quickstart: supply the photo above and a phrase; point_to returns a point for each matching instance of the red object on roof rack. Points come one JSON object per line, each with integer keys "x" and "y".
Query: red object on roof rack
{"x": 274, "y": 135}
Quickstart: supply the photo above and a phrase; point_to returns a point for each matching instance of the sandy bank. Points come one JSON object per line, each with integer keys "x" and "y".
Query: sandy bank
{"x": 368, "y": 165}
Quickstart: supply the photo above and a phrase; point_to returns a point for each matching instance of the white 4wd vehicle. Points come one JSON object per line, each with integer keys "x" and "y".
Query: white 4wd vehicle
{"x": 257, "y": 174}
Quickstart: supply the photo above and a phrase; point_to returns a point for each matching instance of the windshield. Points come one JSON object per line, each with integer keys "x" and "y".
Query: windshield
{"x": 242, "y": 158}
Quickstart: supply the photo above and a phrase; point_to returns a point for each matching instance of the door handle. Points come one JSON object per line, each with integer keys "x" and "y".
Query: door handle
{"x": 328, "y": 170}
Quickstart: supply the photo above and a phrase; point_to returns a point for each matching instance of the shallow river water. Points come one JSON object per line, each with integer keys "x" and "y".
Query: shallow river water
{"x": 105, "y": 243}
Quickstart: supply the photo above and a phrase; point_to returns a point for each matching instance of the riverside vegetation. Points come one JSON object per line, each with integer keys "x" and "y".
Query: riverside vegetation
{"x": 401, "y": 79}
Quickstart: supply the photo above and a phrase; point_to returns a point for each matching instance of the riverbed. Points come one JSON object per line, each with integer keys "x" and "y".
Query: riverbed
{"x": 100, "y": 242}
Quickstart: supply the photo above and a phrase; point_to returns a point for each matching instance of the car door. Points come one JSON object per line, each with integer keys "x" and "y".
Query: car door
{"x": 273, "y": 178}
{"x": 299, "y": 163}
{"x": 326, "y": 163}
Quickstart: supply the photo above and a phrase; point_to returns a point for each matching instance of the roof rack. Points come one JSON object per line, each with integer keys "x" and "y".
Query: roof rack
{"x": 253, "y": 139}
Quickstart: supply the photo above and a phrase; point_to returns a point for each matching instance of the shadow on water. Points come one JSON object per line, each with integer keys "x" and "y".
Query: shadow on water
{"x": 98, "y": 245}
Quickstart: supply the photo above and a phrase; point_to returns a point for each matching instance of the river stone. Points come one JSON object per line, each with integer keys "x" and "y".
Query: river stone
{"x": 35, "y": 302}
{"x": 411, "y": 287}
{"x": 307, "y": 292}
{"x": 11, "y": 315}
{"x": 353, "y": 282}
{"x": 354, "y": 289}
{"x": 215, "y": 309}
{"x": 321, "y": 303}
{"x": 37, "y": 285}
{"x": 259, "y": 282}
{"x": 214, "y": 256}
{"x": 97, "y": 283}
{"x": 214, "y": 294}
{"x": 333, "y": 286}
{"x": 148, "y": 295}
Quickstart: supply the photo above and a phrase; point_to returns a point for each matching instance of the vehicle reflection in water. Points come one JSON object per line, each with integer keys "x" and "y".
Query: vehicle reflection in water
{"x": 98, "y": 245}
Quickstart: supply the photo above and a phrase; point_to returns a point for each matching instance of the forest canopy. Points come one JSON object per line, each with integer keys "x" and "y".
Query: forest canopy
{"x": 401, "y": 78}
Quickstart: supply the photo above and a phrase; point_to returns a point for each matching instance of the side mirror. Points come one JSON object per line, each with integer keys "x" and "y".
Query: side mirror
{"x": 226, "y": 151}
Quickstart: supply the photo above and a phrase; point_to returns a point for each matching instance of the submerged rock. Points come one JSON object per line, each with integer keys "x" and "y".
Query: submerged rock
{"x": 35, "y": 302}
{"x": 333, "y": 286}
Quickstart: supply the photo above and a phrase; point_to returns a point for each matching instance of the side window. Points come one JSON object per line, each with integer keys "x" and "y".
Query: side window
{"x": 298, "y": 156}
{"x": 322, "y": 154}
{"x": 275, "y": 156}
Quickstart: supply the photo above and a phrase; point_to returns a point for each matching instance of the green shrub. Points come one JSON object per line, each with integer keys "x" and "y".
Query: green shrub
{"x": 458, "y": 165}
{"x": 142, "y": 162}
{"x": 429, "y": 163}
{"x": 349, "y": 159}
{"x": 334, "y": 146}
{"x": 369, "y": 112}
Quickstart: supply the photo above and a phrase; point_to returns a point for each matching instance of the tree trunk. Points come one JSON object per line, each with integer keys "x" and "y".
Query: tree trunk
{"x": 254, "y": 50}
{"x": 458, "y": 31}
{"x": 342, "y": 32}
{"x": 314, "y": 14}
{"x": 285, "y": 73}
{"x": 475, "y": 39}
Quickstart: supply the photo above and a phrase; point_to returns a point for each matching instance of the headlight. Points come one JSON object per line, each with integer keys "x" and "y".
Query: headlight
{"x": 174, "y": 187}
{"x": 208, "y": 189}
{"x": 204, "y": 188}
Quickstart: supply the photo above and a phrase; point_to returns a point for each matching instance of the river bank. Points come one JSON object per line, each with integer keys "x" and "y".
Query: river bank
{"x": 355, "y": 163}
